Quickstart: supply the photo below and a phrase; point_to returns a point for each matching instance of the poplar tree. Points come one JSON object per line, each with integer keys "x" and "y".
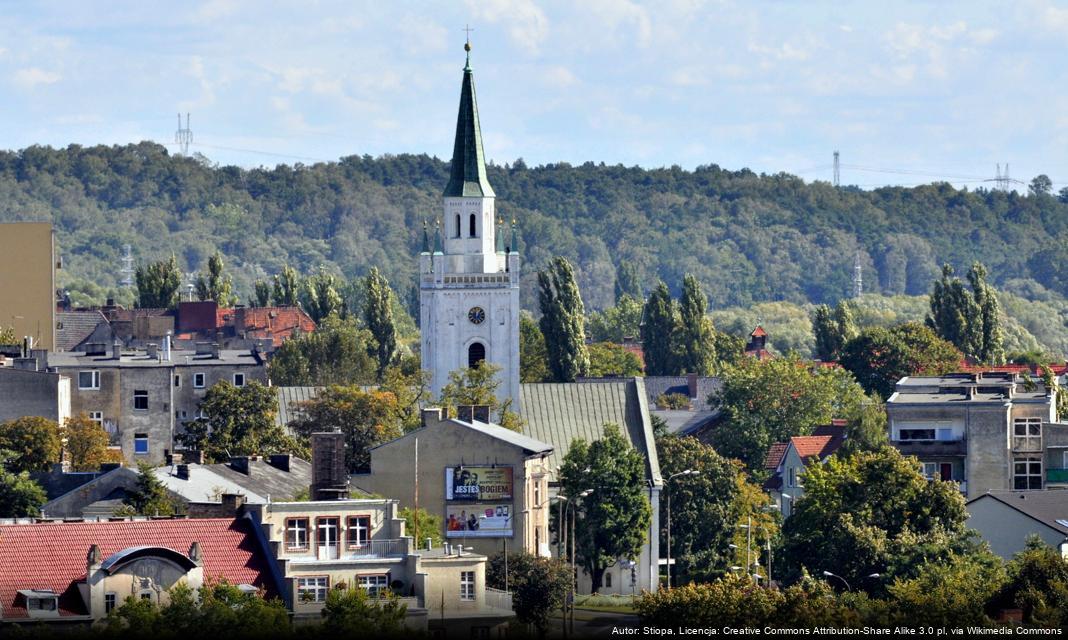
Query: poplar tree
{"x": 989, "y": 335}
{"x": 158, "y": 284}
{"x": 378, "y": 318}
{"x": 287, "y": 287}
{"x": 696, "y": 337}
{"x": 971, "y": 320}
{"x": 833, "y": 328}
{"x": 213, "y": 285}
{"x": 320, "y": 297}
{"x": 658, "y": 329}
{"x": 627, "y": 282}
{"x": 261, "y": 294}
{"x": 562, "y": 321}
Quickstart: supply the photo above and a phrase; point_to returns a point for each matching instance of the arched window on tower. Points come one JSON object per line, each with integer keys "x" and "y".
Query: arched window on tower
{"x": 476, "y": 353}
{"x": 471, "y": 230}
{"x": 457, "y": 225}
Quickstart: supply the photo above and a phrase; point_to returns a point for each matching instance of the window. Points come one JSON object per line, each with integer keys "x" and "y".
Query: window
{"x": 88, "y": 379}
{"x": 607, "y": 580}
{"x": 146, "y": 595}
{"x": 198, "y": 380}
{"x": 467, "y": 585}
{"x": 109, "y": 601}
{"x": 1026, "y": 474}
{"x": 41, "y": 604}
{"x": 177, "y": 381}
{"x": 97, "y": 417}
{"x": 457, "y": 225}
{"x": 312, "y": 589}
{"x": 239, "y": 379}
{"x": 476, "y": 353}
{"x": 1027, "y": 434}
{"x": 141, "y": 443}
{"x": 916, "y": 434}
{"x": 373, "y": 585}
{"x": 471, "y": 226}
{"x": 327, "y": 543}
{"x": 297, "y": 533}
{"x": 792, "y": 480}
{"x": 537, "y": 493}
{"x": 930, "y": 470}
{"x": 359, "y": 531}
{"x": 140, "y": 400}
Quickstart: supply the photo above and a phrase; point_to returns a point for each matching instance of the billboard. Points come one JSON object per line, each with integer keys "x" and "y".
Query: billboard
{"x": 478, "y": 520}
{"x": 478, "y": 484}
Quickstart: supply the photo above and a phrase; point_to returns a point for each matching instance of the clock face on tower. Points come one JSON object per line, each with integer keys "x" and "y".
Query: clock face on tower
{"x": 476, "y": 315}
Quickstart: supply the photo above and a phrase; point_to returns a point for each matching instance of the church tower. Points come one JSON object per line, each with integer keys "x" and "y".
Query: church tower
{"x": 469, "y": 279}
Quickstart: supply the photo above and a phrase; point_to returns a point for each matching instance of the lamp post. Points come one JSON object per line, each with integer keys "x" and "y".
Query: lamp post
{"x": 748, "y": 543}
{"x": 834, "y": 575}
{"x": 504, "y": 542}
{"x": 667, "y": 487}
{"x": 574, "y": 570}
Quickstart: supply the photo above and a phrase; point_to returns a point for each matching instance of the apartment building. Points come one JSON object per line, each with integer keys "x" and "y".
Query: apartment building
{"x": 992, "y": 431}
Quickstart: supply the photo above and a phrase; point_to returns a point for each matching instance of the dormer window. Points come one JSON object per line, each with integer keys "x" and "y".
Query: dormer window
{"x": 42, "y": 603}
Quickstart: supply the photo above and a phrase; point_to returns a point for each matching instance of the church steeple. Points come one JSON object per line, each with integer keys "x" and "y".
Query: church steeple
{"x": 467, "y": 177}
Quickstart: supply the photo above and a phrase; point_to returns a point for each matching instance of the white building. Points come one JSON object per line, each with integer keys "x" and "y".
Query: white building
{"x": 469, "y": 279}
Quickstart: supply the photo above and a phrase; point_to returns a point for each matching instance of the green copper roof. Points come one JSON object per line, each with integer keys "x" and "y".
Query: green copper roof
{"x": 500, "y": 235}
{"x": 467, "y": 176}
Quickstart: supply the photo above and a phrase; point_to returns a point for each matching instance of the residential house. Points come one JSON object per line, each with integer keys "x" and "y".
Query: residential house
{"x": 143, "y": 398}
{"x": 77, "y": 328}
{"x": 985, "y": 430}
{"x": 559, "y": 414}
{"x": 787, "y": 461}
{"x": 77, "y": 572}
{"x": 697, "y": 415}
{"x": 1005, "y": 519}
{"x": 27, "y": 391}
{"x": 489, "y": 484}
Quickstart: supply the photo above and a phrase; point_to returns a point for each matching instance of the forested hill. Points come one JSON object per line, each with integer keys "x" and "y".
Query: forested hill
{"x": 747, "y": 237}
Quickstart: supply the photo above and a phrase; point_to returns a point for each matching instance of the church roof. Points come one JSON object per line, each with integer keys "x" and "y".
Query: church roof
{"x": 467, "y": 176}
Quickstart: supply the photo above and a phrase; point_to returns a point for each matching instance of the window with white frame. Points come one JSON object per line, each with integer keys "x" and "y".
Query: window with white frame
{"x": 1027, "y": 433}
{"x": 88, "y": 379}
{"x": 97, "y": 417}
{"x": 198, "y": 380}
{"x": 110, "y": 599}
{"x": 359, "y": 531}
{"x": 467, "y": 585}
{"x": 373, "y": 585}
{"x": 140, "y": 399}
{"x": 1026, "y": 473}
{"x": 297, "y": 533}
{"x": 239, "y": 379}
{"x": 312, "y": 589}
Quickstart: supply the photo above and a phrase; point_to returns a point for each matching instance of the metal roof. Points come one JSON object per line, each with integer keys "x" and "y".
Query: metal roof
{"x": 288, "y": 397}
{"x": 467, "y": 173}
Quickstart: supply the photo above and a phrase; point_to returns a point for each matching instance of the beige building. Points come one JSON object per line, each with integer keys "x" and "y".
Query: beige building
{"x": 28, "y": 281}
{"x": 321, "y": 545}
{"x": 487, "y": 483}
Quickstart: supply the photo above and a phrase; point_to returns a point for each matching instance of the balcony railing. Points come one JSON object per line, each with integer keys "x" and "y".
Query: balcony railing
{"x": 1057, "y": 476}
{"x": 378, "y": 549}
{"x": 932, "y": 448}
{"x": 498, "y": 599}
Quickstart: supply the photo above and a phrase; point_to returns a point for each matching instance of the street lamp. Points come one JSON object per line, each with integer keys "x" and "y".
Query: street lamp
{"x": 833, "y": 575}
{"x": 667, "y": 490}
{"x": 570, "y": 507}
{"x": 504, "y": 542}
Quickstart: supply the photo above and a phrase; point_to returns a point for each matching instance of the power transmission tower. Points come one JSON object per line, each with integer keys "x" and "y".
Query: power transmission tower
{"x": 836, "y": 175}
{"x": 127, "y": 269}
{"x": 858, "y": 277}
{"x": 1002, "y": 180}
{"x": 183, "y": 137}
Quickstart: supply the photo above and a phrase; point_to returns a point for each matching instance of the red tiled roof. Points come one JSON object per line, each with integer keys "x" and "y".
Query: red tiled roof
{"x": 53, "y": 555}
{"x": 1058, "y": 369}
{"x": 808, "y": 446}
{"x": 759, "y": 332}
{"x": 276, "y": 323}
{"x": 774, "y": 457}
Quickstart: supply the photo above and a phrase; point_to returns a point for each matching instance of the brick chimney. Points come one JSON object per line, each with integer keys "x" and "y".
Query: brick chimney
{"x": 241, "y": 464}
{"x": 691, "y": 382}
{"x": 330, "y": 477}
{"x": 279, "y": 461}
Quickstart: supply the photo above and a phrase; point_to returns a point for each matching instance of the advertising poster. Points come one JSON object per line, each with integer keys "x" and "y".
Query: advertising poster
{"x": 478, "y": 520}
{"x": 478, "y": 484}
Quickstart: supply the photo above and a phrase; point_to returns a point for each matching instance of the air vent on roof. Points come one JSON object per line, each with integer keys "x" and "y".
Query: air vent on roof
{"x": 1063, "y": 523}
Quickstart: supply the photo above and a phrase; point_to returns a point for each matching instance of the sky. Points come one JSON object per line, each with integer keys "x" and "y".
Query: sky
{"x": 907, "y": 92}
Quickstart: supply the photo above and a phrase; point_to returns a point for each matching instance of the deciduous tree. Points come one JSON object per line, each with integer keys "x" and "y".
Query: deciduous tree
{"x": 238, "y": 421}
{"x": 833, "y": 329}
{"x": 628, "y": 282}
{"x": 533, "y": 354}
{"x": 158, "y": 284}
{"x": 87, "y": 444}
{"x": 661, "y": 323}
{"x": 607, "y": 359}
{"x": 378, "y": 318}
{"x": 215, "y": 285}
{"x": 20, "y": 496}
{"x": 477, "y": 386}
{"x": 696, "y": 337}
{"x": 33, "y": 443}
{"x": 539, "y": 586}
{"x": 367, "y": 418}
{"x": 335, "y": 353}
{"x": 562, "y": 321}
{"x": 879, "y": 356}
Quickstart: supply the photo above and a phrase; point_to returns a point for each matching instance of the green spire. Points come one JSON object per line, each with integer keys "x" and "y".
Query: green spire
{"x": 426, "y": 238}
{"x": 467, "y": 177}
{"x": 437, "y": 237}
{"x": 500, "y": 234}
{"x": 514, "y": 248}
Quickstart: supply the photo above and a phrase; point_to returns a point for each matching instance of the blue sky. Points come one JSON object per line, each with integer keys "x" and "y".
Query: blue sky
{"x": 927, "y": 89}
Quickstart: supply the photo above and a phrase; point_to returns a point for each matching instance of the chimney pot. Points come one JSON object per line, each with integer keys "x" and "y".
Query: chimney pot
{"x": 241, "y": 464}
{"x": 182, "y": 471}
{"x": 280, "y": 461}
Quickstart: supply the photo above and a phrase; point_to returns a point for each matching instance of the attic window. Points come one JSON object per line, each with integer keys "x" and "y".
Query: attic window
{"x": 41, "y": 603}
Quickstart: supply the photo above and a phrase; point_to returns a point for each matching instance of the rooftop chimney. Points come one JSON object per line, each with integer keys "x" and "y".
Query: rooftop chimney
{"x": 167, "y": 347}
{"x": 116, "y": 350}
{"x": 241, "y": 464}
{"x": 330, "y": 478}
{"x": 279, "y": 461}
{"x": 153, "y": 350}
{"x": 182, "y": 471}
{"x": 691, "y": 382}
{"x": 215, "y": 350}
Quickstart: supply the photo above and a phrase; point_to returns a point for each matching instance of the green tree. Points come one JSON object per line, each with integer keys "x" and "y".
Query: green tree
{"x": 378, "y": 318}
{"x": 148, "y": 497}
{"x": 613, "y": 520}
{"x": 335, "y": 353}
{"x": 866, "y": 428}
{"x": 1040, "y": 185}
{"x": 628, "y": 282}
{"x": 562, "y": 321}
{"x": 661, "y": 323}
{"x": 990, "y": 336}
{"x": 539, "y": 586}
{"x": 1060, "y": 393}
{"x": 695, "y": 340}
{"x": 320, "y": 297}
{"x": 971, "y": 320}
{"x": 872, "y": 512}
{"x": 261, "y": 294}
{"x": 1037, "y": 584}
{"x": 287, "y": 287}
{"x": 949, "y": 592}
{"x": 33, "y": 443}
{"x": 833, "y": 329}
{"x": 702, "y": 507}
{"x": 367, "y": 418}
{"x": 238, "y": 421}
{"x": 350, "y": 611}
{"x": 617, "y": 324}
{"x": 766, "y": 401}
{"x": 158, "y": 284}
{"x": 429, "y": 526}
{"x": 477, "y": 386}
{"x": 879, "y": 356}
{"x": 20, "y": 496}
{"x": 216, "y": 608}
{"x": 7, "y": 336}
{"x": 607, "y": 359}
{"x": 86, "y": 442}
{"x": 215, "y": 285}
{"x": 533, "y": 354}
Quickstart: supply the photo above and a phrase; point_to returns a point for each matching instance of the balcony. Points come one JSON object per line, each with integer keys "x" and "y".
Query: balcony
{"x": 926, "y": 449}
{"x": 371, "y": 550}
{"x": 1056, "y": 476}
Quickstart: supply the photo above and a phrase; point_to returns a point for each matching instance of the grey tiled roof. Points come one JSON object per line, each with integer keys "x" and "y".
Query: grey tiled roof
{"x": 561, "y": 413}
{"x": 76, "y": 326}
{"x": 204, "y": 484}
{"x": 267, "y": 480}
{"x": 1050, "y": 507}
{"x": 655, "y": 386}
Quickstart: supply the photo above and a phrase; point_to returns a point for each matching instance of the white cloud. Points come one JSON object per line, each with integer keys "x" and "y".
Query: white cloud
{"x": 34, "y": 76}
{"x": 528, "y": 25}
{"x": 560, "y": 77}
